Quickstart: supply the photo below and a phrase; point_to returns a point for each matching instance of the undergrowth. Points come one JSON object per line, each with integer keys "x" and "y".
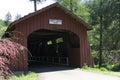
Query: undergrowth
{"x": 101, "y": 70}
{"x": 22, "y": 76}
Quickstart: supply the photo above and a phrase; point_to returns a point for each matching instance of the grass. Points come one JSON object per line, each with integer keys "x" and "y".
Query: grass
{"x": 102, "y": 70}
{"x": 22, "y": 76}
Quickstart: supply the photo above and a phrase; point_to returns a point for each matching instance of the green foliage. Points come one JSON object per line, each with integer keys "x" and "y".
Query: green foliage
{"x": 2, "y": 30}
{"x": 103, "y": 71}
{"x": 111, "y": 23}
{"x": 85, "y": 66}
{"x": 3, "y": 27}
{"x": 116, "y": 67}
{"x": 29, "y": 76}
{"x": 66, "y": 3}
{"x": 111, "y": 30}
{"x": 79, "y": 8}
{"x": 110, "y": 59}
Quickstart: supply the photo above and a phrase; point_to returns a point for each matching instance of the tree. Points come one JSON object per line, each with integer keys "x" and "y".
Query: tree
{"x": 78, "y": 7}
{"x": 8, "y": 18}
{"x": 106, "y": 15}
{"x": 35, "y": 3}
{"x": 111, "y": 21}
{"x": 101, "y": 35}
{"x": 18, "y": 16}
{"x": 71, "y": 5}
{"x": 2, "y": 28}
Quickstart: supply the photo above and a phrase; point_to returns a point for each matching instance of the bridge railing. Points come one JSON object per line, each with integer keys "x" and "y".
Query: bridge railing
{"x": 52, "y": 60}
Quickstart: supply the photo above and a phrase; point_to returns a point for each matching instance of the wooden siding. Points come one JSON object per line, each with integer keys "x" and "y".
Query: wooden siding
{"x": 78, "y": 56}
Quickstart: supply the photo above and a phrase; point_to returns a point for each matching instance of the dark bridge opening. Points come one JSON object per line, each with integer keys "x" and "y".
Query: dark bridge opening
{"x": 50, "y": 47}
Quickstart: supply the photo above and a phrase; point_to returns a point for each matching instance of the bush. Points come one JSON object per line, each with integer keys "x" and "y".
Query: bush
{"x": 116, "y": 67}
{"x": 85, "y": 66}
{"x": 8, "y": 50}
{"x": 103, "y": 69}
{"x": 110, "y": 59}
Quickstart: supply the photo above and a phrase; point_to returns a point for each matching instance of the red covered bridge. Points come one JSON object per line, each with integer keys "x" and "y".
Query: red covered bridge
{"x": 53, "y": 35}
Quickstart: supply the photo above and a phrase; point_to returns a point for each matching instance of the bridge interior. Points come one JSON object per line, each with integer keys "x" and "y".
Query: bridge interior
{"x": 51, "y": 47}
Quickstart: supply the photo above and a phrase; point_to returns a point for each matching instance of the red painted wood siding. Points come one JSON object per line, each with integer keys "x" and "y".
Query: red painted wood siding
{"x": 41, "y": 21}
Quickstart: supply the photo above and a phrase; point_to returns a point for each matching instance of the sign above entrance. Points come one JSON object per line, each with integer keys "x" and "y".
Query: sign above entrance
{"x": 55, "y": 21}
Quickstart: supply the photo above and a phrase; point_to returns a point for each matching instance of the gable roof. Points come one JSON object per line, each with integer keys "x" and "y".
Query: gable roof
{"x": 48, "y": 7}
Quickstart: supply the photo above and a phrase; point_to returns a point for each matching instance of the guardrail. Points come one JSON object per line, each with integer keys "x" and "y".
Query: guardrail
{"x": 51, "y": 60}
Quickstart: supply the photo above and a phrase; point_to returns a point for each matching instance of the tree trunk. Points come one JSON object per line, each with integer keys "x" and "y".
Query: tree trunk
{"x": 71, "y": 5}
{"x": 35, "y": 5}
{"x": 101, "y": 31}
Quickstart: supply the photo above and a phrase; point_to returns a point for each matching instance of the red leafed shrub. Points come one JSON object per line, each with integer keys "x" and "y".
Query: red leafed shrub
{"x": 8, "y": 50}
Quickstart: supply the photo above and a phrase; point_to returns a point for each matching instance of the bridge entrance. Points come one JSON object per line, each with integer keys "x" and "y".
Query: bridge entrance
{"x": 50, "y": 47}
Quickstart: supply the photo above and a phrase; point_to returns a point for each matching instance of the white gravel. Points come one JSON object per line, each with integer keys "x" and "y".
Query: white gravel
{"x": 75, "y": 74}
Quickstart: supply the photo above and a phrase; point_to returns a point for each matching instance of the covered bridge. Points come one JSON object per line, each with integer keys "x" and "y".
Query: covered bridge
{"x": 53, "y": 35}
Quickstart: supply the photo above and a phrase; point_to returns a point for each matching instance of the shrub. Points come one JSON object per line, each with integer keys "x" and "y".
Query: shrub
{"x": 103, "y": 69}
{"x": 85, "y": 66}
{"x": 8, "y": 50}
{"x": 116, "y": 67}
{"x": 110, "y": 59}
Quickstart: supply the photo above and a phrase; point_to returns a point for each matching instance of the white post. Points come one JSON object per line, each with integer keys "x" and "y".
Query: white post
{"x": 67, "y": 61}
{"x": 59, "y": 60}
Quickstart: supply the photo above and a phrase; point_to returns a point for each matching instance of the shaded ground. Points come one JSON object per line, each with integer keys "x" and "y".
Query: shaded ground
{"x": 68, "y": 73}
{"x": 48, "y": 68}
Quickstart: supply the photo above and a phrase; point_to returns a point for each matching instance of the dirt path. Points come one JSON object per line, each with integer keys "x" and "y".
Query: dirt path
{"x": 72, "y": 74}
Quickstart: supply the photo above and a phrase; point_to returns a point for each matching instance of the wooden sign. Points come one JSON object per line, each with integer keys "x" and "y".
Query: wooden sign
{"x": 55, "y": 21}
